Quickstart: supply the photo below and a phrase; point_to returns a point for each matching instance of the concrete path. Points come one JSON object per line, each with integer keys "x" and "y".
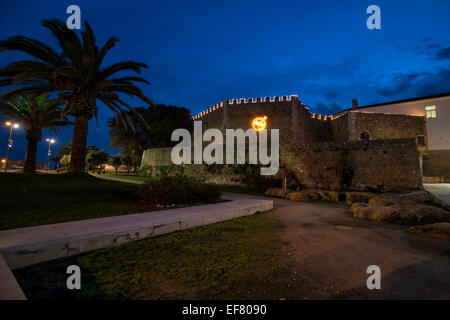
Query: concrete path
{"x": 26, "y": 246}
{"x": 440, "y": 190}
{"x": 330, "y": 252}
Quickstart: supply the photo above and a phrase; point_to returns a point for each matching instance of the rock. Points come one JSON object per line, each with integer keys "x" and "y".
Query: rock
{"x": 325, "y": 195}
{"x": 416, "y": 195}
{"x": 352, "y": 197}
{"x": 274, "y": 192}
{"x": 380, "y": 200}
{"x": 372, "y": 212}
{"x": 334, "y": 196}
{"x": 313, "y": 195}
{"x": 438, "y": 230}
{"x": 299, "y": 196}
{"x": 407, "y": 212}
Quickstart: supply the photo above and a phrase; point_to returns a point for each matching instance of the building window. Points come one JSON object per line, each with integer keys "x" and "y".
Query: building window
{"x": 364, "y": 136}
{"x": 421, "y": 141}
{"x": 431, "y": 111}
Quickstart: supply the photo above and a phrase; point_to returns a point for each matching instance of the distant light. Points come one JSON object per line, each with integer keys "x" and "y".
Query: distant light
{"x": 16, "y": 125}
{"x": 8, "y": 123}
{"x": 3, "y": 160}
{"x": 52, "y": 141}
{"x": 259, "y": 123}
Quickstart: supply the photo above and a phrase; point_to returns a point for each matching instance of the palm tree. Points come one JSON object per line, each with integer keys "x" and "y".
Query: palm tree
{"x": 76, "y": 74}
{"x": 36, "y": 113}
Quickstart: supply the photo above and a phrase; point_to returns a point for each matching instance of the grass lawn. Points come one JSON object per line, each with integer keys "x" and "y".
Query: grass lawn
{"x": 29, "y": 200}
{"x": 241, "y": 258}
{"x": 130, "y": 176}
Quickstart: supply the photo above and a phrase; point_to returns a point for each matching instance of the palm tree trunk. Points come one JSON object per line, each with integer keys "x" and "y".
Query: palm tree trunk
{"x": 30, "y": 156}
{"x": 79, "y": 141}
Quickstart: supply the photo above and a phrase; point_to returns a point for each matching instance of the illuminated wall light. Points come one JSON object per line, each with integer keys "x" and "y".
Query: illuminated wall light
{"x": 259, "y": 123}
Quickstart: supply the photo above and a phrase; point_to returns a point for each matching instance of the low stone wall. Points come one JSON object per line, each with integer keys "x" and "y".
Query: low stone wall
{"x": 381, "y": 165}
{"x": 375, "y": 165}
{"x": 156, "y": 157}
{"x": 436, "y": 163}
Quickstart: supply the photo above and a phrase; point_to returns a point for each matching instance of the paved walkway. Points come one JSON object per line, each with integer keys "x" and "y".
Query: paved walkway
{"x": 440, "y": 190}
{"x": 26, "y": 246}
{"x": 331, "y": 252}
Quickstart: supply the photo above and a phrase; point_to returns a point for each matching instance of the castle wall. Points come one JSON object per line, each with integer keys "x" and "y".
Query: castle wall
{"x": 156, "y": 157}
{"x": 376, "y": 165}
{"x": 379, "y": 126}
{"x": 325, "y": 152}
{"x": 288, "y": 114}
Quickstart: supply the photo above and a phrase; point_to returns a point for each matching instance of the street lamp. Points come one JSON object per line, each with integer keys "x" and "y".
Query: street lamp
{"x": 50, "y": 141}
{"x": 15, "y": 126}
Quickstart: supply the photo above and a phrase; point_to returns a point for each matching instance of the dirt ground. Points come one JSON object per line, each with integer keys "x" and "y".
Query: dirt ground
{"x": 330, "y": 251}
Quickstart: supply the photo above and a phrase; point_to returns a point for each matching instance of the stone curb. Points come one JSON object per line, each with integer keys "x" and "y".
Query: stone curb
{"x": 9, "y": 288}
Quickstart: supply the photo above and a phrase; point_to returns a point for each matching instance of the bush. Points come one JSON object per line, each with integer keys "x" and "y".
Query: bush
{"x": 178, "y": 191}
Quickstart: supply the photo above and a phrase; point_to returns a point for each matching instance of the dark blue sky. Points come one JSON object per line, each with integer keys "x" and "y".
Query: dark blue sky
{"x": 203, "y": 52}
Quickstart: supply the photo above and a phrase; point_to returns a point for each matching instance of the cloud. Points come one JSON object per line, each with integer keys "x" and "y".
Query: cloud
{"x": 332, "y": 95}
{"x": 400, "y": 84}
{"x": 417, "y": 84}
{"x": 326, "y": 108}
{"x": 443, "y": 54}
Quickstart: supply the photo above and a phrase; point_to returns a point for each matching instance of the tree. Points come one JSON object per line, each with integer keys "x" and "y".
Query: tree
{"x": 76, "y": 75}
{"x": 135, "y": 138}
{"x": 128, "y": 161}
{"x": 116, "y": 161}
{"x": 36, "y": 113}
{"x": 61, "y": 152}
{"x": 65, "y": 160}
{"x": 95, "y": 159}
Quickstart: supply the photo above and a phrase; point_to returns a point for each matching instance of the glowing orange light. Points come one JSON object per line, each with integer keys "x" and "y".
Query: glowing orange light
{"x": 259, "y": 123}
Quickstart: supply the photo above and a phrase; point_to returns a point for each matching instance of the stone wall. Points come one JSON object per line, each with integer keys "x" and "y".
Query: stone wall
{"x": 156, "y": 157}
{"x": 379, "y": 126}
{"x": 436, "y": 163}
{"x": 377, "y": 165}
{"x": 287, "y": 114}
{"x": 320, "y": 151}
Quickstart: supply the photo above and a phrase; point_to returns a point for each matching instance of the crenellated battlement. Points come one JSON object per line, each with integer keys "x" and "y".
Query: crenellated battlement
{"x": 246, "y": 101}
{"x": 249, "y": 101}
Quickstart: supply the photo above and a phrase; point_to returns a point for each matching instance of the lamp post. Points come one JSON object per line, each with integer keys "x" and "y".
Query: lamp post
{"x": 15, "y": 126}
{"x": 50, "y": 141}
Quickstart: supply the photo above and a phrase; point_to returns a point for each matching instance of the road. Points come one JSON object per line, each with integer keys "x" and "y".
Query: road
{"x": 331, "y": 251}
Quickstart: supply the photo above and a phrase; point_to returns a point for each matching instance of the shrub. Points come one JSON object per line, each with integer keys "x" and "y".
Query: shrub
{"x": 177, "y": 191}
